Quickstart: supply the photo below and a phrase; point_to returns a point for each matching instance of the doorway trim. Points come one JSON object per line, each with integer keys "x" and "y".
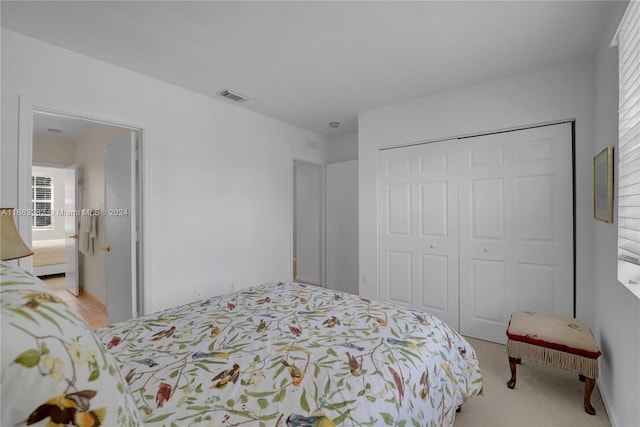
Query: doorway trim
{"x": 323, "y": 242}
{"x": 26, "y": 110}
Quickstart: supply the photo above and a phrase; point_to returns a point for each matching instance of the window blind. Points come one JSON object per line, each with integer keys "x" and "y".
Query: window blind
{"x": 41, "y": 201}
{"x": 628, "y": 38}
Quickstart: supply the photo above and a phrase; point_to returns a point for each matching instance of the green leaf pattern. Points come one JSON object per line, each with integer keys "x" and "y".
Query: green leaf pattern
{"x": 286, "y": 351}
{"x": 51, "y": 361}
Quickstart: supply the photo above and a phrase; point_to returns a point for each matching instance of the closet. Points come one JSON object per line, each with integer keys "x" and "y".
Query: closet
{"x": 474, "y": 228}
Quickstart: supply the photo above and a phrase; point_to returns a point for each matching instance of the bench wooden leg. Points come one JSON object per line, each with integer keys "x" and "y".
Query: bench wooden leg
{"x": 588, "y": 388}
{"x": 512, "y": 364}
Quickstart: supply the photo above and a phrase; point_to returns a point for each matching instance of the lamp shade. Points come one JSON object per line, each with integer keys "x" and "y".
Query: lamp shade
{"x": 11, "y": 245}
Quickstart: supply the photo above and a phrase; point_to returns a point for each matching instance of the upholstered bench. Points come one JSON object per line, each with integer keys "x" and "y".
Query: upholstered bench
{"x": 549, "y": 339}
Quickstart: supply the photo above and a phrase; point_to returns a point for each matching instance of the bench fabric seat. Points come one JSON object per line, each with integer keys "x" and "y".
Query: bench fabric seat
{"x": 562, "y": 342}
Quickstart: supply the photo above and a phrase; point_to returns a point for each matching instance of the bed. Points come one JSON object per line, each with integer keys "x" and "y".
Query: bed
{"x": 48, "y": 257}
{"x": 282, "y": 354}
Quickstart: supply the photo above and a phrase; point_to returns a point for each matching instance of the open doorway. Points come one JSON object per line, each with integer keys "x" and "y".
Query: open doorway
{"x": 308, "y": 223}
{"x": 48, "y": 233}
{"x": 85, "y": 203}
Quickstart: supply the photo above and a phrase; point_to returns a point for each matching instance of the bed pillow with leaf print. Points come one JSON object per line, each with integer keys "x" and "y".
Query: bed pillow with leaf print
{"x": 54, "y": 370}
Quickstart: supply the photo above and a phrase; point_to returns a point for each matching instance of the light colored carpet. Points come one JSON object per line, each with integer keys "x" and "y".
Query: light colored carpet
{"x": 543, "y": 396}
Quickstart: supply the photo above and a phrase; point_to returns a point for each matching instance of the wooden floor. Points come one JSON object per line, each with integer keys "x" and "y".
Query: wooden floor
{"x": 86, "y": 305}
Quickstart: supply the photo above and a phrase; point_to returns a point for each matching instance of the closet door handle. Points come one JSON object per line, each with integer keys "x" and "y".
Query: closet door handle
{"x": 486, "y": 250}
{"x": 75, "y": 236}
{"x": 107, "y": 248}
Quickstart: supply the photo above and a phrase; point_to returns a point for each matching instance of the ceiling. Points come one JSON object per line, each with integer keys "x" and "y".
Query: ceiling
{"x": 59, "y": 128}
{"x": 314, "y": 62}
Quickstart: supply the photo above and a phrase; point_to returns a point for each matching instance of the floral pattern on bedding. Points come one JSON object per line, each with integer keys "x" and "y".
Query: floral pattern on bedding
{"x": 55, "y": 371}
{"x": 294, "y": 355}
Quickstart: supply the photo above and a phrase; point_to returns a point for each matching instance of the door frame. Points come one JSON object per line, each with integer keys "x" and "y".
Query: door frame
{"x": 323, "y": 227}
{"x": 26, "y": 110}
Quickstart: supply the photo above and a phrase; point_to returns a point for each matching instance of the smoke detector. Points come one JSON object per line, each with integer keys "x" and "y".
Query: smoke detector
{"x": 234, "y": 96}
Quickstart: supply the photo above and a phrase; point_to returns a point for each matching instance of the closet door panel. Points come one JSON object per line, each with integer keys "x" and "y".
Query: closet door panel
{"x": 434, "y": 272}
{"x": 399, "y": 273}
{"x": 487, "y": 280}
{"x": 399, "y": 210}
{"x": 434, "y": 202}
{"x": 418, "y": 219}
{"x": 516, "y": 207}
{"x": 535, "y": 208}
{"x": 486, "y": 209}
{"x": 537, "y": 283}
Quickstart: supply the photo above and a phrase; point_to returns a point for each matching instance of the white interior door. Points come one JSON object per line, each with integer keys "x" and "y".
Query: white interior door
{"x": 120, "y": 247}
{"x": 516, "y": 227}
{"x": 71, "y": 230}
{"x": 419, "y": 228}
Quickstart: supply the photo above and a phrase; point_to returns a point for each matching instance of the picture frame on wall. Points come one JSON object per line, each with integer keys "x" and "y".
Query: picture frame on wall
{"x": 603, "y": 185}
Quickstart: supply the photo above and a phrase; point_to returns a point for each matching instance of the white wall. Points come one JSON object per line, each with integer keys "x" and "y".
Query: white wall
{"x": 342, "y": 226}
{"x": 617, "y": 324}
{"x": 47, "y": 150}
{"x": 90, "y": 161}
{"x": 341, "y": 148}
{"x": 342, "y": 213}
{"x": 217, "y": 179}
{"x": 58, "y": 176}
{"x": 563, "y": 91}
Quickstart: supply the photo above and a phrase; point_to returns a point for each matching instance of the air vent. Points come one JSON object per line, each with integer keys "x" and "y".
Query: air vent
{"x": 234, "y": 96}
{"x": 311, "y": 144}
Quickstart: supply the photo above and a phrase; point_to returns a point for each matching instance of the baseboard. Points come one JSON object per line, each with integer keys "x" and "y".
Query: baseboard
{"x": 607, "y": 407}
{"x": 92, "y": 297}
{"x": 308, "y": 281}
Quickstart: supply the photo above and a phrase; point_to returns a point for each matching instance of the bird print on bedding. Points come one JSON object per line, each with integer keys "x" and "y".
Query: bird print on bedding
{"x": 287, "y": 354}
{"x": 69, "y": 409}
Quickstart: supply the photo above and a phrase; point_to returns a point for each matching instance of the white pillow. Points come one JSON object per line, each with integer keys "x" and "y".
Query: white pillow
{"x": 54, "y": 369}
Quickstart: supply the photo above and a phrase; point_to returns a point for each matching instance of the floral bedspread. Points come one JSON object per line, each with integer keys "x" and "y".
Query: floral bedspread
{"x": 286, "y": 354}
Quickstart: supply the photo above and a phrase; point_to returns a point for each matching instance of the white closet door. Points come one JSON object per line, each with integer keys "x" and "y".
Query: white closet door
{"x": 418, "y": 198}
{"x": 474, "y": 229}
{"x": 516, "y": 227}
